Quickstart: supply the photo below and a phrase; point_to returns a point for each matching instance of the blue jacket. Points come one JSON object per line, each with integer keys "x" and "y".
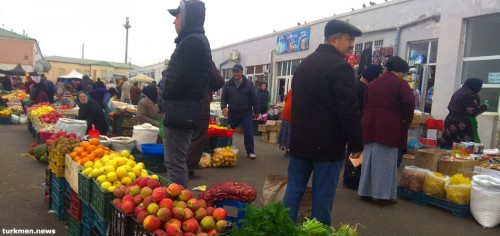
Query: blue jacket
{"x": 242, "y": 100}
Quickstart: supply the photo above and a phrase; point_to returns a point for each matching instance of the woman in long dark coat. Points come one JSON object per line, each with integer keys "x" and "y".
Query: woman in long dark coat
{"x": 92, "y": 112}
{"x": 461, "y": 125}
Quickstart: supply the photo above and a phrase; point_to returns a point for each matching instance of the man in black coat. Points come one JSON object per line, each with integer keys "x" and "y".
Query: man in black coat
{"x": 186, "y": 78}
{"x": 239, "y": 94}
{"x": 326, "y": 118}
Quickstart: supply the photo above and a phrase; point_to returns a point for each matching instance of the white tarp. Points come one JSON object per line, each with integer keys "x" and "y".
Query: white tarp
{"x": 142, "y": 78}
{"x": 72, "y": 75}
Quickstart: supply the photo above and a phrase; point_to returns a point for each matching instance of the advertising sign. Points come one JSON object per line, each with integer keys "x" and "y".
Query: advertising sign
{"x": 293, "y": 41}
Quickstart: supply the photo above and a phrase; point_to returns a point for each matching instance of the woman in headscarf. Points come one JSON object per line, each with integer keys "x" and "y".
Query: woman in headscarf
{"x": 461, "y": 125}
{"x": 147, "y": 110}
{"x": 263, "y": 98}
{"x": 38, "y": 94}
{"x": 91, "y": 111}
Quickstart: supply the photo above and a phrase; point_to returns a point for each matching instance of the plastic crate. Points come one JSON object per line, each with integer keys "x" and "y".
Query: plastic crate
{"x": 85, "y": 229}
{"x": 217, "y": 142}
{"x": 163, "y": 181}
{"x": 56, "y": 158}
{"x": 424, "y": 199}
{"x": 74, "y": 226}
{"x": 152, "y": 163}
{"x": 5, "y": 121}
{"x": 100, "y": 201}
{"x": 57, "y": 170}
{"x": 121, "y": 224}
{"x": 87, "y": 215}
{"x": 235, "y": 210}
{"x": 84, "y": 188}
{"x": 57, "y": 204}
{"x": 100, "y": 226}
{"x": 153, "y": 150}
{"x": 75, "y": 207}
{"x": 58, "y": 183}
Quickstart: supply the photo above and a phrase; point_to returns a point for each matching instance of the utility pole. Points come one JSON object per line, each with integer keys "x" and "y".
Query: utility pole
{"x": 127, "y": 26}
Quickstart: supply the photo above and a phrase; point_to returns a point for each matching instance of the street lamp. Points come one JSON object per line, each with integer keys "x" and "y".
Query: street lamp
{"x": 127, "y": 26}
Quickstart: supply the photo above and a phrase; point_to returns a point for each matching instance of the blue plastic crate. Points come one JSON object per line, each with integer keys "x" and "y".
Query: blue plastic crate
{"x": 100, "y": 225}
{"x": 59, "y": 184}
{"x": 413, "y": 196}
{"x": 153, "y": 150}
{"x": 57, "y": 205}
{"x": 457, "y": 210}
{"x": 85, "y": 229}
{"x": 232, "y": 206}
{"x": 87, "y": 214}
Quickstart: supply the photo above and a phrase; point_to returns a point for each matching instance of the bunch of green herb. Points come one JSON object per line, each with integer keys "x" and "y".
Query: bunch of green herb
{"x": 273, "y": 219}
{"x": 312, "y": 227}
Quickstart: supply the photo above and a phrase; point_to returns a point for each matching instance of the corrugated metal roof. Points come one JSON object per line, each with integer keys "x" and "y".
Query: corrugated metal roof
{"x": 90, "y": 62}
{"x": 8, "y": 34}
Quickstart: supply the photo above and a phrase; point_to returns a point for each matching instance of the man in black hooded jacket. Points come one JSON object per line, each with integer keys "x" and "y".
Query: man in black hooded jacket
{"x": 185, "y": 81}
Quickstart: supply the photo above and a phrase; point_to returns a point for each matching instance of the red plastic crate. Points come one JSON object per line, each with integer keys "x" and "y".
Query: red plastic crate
{"x": 75, "y": 207}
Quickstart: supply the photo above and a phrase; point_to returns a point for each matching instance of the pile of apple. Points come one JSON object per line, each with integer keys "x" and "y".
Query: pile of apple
{"x": 169, "y": 210}
{"x": 51, "y": 117}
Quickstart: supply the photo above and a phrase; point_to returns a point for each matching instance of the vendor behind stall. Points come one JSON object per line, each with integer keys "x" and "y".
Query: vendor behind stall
{"x": 38, "y": 94}
{"x": 92, "y": 112}
{"x": 147, "y": 110}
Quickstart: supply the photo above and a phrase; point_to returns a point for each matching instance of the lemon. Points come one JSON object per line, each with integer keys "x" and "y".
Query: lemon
{"x": 137, "y": 170}
{"x": 155, "y": 177}
{"x": 144, "y": 173}
{"x": 126, "y": 181}
{"x": 111, "y": 188}
{"x": 117, "y": 183}
{"x": 131, "y": 163}
{"x": 140, "y": 164}
{"x": 132, "y": 176}
{"x": 132, "y": 158}
{"x": 112, "y": 177}
{"x": 108, "y": 169}
{"x": 105, "y": 185}
{"x": 121, "y": 161}
{"x": 125, "y": 153}
{"x": 101, "y": 179}
{"x": 87, "y": 171}
{"x": 88, "y": 164}
{"x": 95, "y": 173}
{"x": 97, "y": 164}
{"x": 128, "y": 168}
{"x": 113, "y": 163}
{"x": 105, "y": 159}
{"x": 121, "y": 172}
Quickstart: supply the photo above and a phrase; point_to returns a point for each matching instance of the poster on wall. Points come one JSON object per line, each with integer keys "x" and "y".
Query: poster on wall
{"x": 294, "y": 41}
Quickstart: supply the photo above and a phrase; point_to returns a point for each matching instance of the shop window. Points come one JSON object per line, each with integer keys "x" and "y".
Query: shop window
{"x": 358, "y": 48}
{"x": 368, "y": 44}
{"x": 424, "y": 52}
{"x": 379, "y": 43}
{"x": 295, "y": 64}
{"x": 250, "y": 69}
{"x": 258, "y": 69}
{"x": 482, "y": 36}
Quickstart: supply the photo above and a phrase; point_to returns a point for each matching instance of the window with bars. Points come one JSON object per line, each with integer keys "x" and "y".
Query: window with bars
{"x": 379, "y": 43}
{"x": 358, "y": 48}
{"x": 368, "y": 44}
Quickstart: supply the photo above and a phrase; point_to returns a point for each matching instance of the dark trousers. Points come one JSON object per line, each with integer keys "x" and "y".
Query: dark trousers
{"x": 247, "y": 122}
{"x": 197, "y": 145}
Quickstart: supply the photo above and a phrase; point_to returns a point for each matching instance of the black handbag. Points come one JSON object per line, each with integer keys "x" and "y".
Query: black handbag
{"x": 182, "y": 114}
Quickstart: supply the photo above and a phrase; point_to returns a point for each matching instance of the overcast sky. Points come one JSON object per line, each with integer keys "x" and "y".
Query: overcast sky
{"x": 61, "y": 26}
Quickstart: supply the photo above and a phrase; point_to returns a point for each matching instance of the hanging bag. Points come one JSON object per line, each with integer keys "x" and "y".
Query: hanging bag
{"x": 182, "y": 114}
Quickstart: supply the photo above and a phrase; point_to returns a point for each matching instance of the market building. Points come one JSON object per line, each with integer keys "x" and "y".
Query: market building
{"x": 18, "y": 49}
{"x": 93, "y": 68}
{"x": 444, "y": 41}
{"x": 153, "y": 71}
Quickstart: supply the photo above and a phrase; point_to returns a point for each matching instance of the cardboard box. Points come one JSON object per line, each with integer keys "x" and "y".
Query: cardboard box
{"x": 467, "y": 172}
{"x": 273, "y": 125}
{"x": 429, "y": 158}
{"x": 273, "y": 137}
{"x": 262, "y": 128}
{"x": 450, "y": 168}
{"x": 265, "y": 136}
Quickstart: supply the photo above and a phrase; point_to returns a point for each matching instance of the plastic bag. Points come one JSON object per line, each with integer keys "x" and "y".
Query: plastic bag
{"x": 145, "y": 133}
{"x": 14, "y": 119}
{"x": 79, "y": 127}
{"x": 413, "y": 178}
{"x": 119, "y": 144}
{"x": 484, "y": 201}
{"x": 434, "y": 184}
{"x": 274, "y": 189}
{"x": 23, "y": 119}
{"x": 458, "y": 194}
{"x": 224, "y": 157}
{"x": 205, "y": 161}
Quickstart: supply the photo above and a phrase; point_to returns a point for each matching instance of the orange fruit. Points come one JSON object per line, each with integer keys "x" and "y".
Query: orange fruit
{"x": 84, "y": 154}
{"x": 97, "y": 159}
{"x": 90, "y": 157}
{"x": 95, "y": 142}
{"x": 78, "y": 158}
{"x": 84, "y": 144}
{"x": 106, "y": 152}
{"x": 99, "y": 152}
{"x": 90, "y": 148}
{"x": 79, "y": 150}
{"x": 73, "y": 155}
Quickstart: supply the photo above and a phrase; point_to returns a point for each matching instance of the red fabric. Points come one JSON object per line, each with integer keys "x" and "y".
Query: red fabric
{"x": 388, "y": 111}
{"x": 286, "y": 114}
{"x": 435, "y": 124}
{"x": 42, "y": 97}
{"x": 229, "y": 190}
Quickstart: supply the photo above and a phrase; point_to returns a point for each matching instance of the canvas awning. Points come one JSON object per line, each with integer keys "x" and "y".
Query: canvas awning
{"x": 142, "y": 78}
{"x": 72, "y": 75}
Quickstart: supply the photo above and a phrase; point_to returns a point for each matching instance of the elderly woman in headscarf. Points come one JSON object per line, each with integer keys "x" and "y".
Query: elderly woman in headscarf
{"x": 147, "y": 110}
{"x": 461, "y": 125}
{"x": 92, "y": 112}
